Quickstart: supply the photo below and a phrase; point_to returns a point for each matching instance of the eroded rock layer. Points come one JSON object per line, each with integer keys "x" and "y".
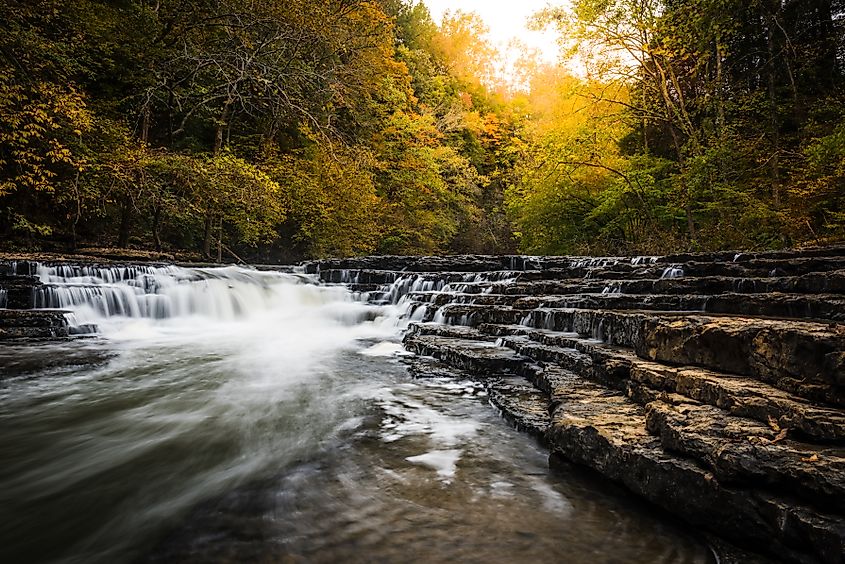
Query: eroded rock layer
{"x": 711, "y": 385}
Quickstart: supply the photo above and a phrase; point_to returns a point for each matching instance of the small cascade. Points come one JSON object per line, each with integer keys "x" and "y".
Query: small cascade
{"x": 418, "y": 313}
{"x": 3, "y": 297}
{"x": 540, "y": 319}
{"x": 522, "y": 263}
{"x": 19, "y": 268}
{"x": 414, "y": 294}
{"x": 642, "y": 261}
{"x": 612, "y": 288}
{"x": 673, "y": 271}
{"x": 395, "y": 292}
{"x": 593, "y": 262}
{"x": 95, "y": 294}
{"x": 348, "y": 277}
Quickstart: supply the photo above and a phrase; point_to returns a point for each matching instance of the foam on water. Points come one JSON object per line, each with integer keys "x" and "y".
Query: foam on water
{"x": 443, "y": 462}
{"x": 385, "y": 348}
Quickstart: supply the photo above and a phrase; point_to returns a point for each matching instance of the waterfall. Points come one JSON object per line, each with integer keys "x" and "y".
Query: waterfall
{"x": 109, "y": 296}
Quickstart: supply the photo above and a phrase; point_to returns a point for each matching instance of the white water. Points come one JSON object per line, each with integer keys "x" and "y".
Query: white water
{"x": 215, "y": 306}
{"x": 673, "y": 271}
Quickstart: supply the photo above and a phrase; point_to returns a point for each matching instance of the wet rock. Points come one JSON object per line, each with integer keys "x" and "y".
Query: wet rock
{"x": 607, "y": 432}
{"x": 550, "y": 287}
{"x": 451, "y": 331}
{"x": 813, "y": 283}
{"x": 731, "y": 256}
{"x": 444, "y": 298}
{"x": 762, "y": 267}
{"x": 32, "y": 324}
{"x": 482, "y": 358}
{"x": 18, "y": 290}
{"x": 746, "y": 452}
{"x": 741, "y": 396}
{"x": 521, "y": 403}
{"x": 613, "y": 327}
{"x": 829, "y": 307}
{"x": 610, "y": 370}
{"x": 468, "y": 314}
{"x": 798, "y": 357}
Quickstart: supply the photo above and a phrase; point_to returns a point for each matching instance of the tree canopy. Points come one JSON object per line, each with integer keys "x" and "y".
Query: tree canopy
{"x": 280, "y": 130}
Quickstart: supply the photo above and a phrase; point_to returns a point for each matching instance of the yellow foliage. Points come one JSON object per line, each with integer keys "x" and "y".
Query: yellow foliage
{"x": 38, "y": 124}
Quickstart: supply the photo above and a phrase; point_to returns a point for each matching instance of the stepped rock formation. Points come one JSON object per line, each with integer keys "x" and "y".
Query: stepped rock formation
{"x": 712, "y": 385}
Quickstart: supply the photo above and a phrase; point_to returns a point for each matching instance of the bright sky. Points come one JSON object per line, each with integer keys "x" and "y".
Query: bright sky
{"x": 507, "y": 20}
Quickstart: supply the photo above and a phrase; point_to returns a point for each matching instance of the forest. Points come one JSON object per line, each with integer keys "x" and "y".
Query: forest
{"x": 278, "y": 130}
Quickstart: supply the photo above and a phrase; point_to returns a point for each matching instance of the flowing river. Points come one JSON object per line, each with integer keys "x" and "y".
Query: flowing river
{"x": 232, "y": 415}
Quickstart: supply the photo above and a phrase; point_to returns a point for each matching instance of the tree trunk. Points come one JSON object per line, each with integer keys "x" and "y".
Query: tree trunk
{"x": 220, "y": 240}
{"x": 155, "y": 226}
{"x": 125, "y": 223}
{"x": 145, "y": 123}
{"x": 206, "y": 240}
{"x": 221, "y": 125}
{"x": 774, "y": 125}
{"x": 78, "y": 215}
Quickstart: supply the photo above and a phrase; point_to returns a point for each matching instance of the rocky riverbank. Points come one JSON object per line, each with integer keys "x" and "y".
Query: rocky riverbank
{"x": 711, "y": 385}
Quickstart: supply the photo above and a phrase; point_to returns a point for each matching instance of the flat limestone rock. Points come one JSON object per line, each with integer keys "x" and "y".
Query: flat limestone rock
{"x": 744, "y": 397}
{"x": 32, "y": 324}
{"x": 746, "y": 452}
{"x": 478, "y": 357}
{"x": 799, "y": 357}
{"x": 818, "y": 306}
{"x": 451, "y": 331}
{"x": 525, "y": 406}
{"x": 738, "y": 395}
{"x": 813, "y": 283}
{"x": 607, "y": 432}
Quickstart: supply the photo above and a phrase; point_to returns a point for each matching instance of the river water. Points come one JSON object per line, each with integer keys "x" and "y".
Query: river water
{"x": 230, "y": 415}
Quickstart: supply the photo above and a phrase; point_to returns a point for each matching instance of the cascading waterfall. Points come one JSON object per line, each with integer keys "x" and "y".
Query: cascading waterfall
{"x": 101, "y": 295}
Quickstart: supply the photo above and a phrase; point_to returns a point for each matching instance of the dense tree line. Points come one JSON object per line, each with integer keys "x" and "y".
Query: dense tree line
{"x": 703, "y": 124}
{"x": 287, "y": 129}
{"x": 295, "y": 128}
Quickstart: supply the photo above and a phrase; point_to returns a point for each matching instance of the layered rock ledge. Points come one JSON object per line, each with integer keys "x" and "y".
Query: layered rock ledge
{"x": 711, "y": 385}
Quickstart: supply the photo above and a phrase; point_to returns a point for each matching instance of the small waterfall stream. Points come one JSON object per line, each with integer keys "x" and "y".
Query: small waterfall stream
{"x": 231, "y": 414}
